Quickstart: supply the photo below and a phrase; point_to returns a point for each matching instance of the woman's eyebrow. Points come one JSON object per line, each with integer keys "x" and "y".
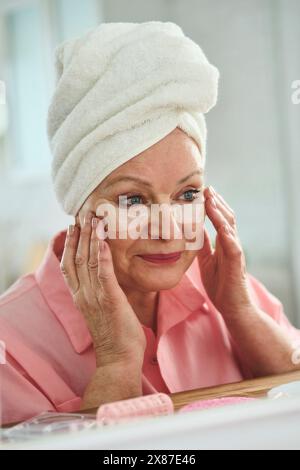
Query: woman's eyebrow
{"x": 197, "y": 172}
{"x": 146, "y": 183}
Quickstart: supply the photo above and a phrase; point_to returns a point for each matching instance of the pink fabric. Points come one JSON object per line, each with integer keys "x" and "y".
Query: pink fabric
{"x": 50, "y": 358}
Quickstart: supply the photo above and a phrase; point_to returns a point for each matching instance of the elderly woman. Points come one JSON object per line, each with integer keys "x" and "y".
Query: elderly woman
{"x": 108, "y": 318}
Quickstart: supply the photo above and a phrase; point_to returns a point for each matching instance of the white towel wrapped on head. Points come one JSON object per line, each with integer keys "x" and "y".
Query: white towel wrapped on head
{"x": 121, "y": 88}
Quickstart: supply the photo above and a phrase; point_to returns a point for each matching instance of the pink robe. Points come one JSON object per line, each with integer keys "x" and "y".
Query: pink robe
{"x": 49, "y": 352}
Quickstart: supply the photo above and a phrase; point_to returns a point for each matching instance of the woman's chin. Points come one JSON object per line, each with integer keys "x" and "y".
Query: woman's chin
{"x": 155, "y": 285}
{"x": 155, "y": 277}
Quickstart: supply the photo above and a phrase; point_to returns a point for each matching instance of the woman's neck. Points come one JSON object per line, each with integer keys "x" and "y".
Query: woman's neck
{"x": 145, "y": 306}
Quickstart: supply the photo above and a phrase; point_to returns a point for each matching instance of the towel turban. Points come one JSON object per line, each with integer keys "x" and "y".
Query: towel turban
{"x": 121, "y": 88}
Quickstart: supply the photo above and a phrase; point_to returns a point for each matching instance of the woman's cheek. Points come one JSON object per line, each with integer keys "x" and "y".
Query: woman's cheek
{"x": 115, "y": 221}
{"x": 193, "y": 226}
{"x": 121, "y": 260}
{"x": 123, "y": 223}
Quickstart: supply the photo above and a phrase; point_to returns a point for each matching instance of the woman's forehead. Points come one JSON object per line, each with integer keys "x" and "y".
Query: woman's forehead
{"x": 174, "y": 157}
{"x": 172, "y": 173}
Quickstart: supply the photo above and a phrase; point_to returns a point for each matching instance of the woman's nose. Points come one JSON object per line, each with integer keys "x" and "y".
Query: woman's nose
{"x": 163, "y": 223}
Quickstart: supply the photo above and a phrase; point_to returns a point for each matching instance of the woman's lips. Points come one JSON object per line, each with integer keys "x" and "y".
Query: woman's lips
{"x": 160, "y": 258}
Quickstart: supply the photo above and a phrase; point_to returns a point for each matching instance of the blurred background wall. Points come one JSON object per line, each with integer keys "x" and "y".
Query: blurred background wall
{"x": 253, "y": 132}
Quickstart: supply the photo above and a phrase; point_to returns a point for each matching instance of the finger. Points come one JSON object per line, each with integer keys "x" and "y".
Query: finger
{"x": 229, "y": 243}
{"x": 207, "y": 249}
{"x": 228, "y": 214}
{"x": 67, "y": 264}
{"x": 93, "y": 257}
{"x": 210, "y": 192}
{"x": 100, "y": 230}
{"x": 215, "y": 215}
{"x": 225, "y": 209}
{"x": 214, "y": 193}
{"x": 225, "y": 203}
{"x": 110, "y": 287}
{"x": 83, "y": 251}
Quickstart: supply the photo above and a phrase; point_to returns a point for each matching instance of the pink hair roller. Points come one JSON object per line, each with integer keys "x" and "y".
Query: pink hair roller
{"x": 125, "y": 410}
{"x": 215, "y": 403}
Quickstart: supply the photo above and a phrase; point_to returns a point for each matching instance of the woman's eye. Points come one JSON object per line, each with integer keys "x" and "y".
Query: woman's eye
{"x": 127, "y": 201}
{"x": 131, "y": 200}
{"x": 191, "y": 194}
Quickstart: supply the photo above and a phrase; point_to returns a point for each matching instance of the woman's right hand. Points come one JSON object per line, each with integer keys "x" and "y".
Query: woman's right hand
{"x": 88, "y": 270}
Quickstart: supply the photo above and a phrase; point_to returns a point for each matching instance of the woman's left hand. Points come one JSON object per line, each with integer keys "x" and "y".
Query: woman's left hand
{"x": 223, "y": 269}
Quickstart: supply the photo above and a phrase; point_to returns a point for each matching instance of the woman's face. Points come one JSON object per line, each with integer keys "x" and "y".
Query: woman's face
{"x": 169, "y": 172}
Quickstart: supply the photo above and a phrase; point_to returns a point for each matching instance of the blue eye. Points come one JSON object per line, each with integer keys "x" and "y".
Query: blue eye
{"x": 132, "y": 200}
{"x": 135, "y": 199}
{"x": 191, "y": 194}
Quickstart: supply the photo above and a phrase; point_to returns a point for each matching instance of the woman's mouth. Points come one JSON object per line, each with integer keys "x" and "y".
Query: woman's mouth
{"x": 160, "y": 258}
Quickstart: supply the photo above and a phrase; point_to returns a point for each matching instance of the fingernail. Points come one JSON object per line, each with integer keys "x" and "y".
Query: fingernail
{"x": 70, "y": 230}
{"x": 213, "y": 202}
{"x": 226, "y": 229}
{"x": 212, "y": 190}
{"x": 88, "y": 218}
{"x": 94, "y": 222}
{"x": 100, "y": 230}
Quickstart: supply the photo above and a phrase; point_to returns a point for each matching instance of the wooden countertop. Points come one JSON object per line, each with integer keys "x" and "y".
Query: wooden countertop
{"x": 256, "y": 388}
